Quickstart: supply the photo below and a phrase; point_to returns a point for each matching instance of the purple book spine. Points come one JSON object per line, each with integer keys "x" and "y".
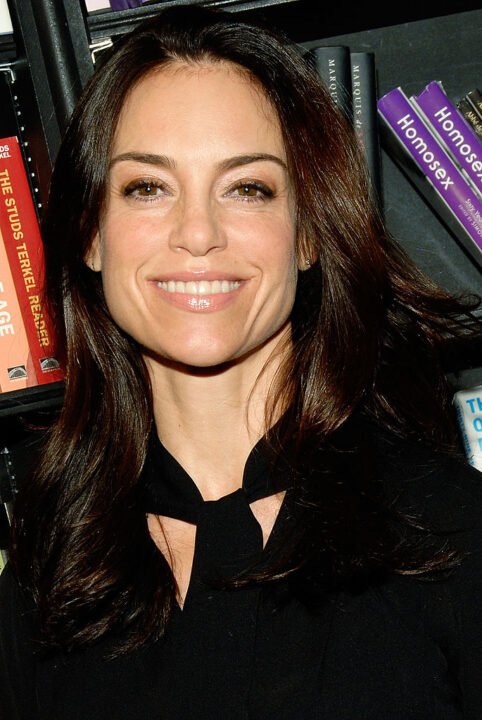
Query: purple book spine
{"x": 457, "y": 136}
{"x": 433, "y": 161}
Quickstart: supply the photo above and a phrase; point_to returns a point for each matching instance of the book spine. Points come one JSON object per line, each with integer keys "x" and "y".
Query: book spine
{"x": 23, "y": 244}
{"x": 332, "y": 64}
{"x": 456, "y": 136}
{"x": 474, "y": 97}
{"x": 365, "y": 121}
{"x": 16, "y": 363}
{"x": 470, "y": 116}
{"x": 5, "y": 19}
{"x": 453, "y": 198}
{"x": 468, "y": 405}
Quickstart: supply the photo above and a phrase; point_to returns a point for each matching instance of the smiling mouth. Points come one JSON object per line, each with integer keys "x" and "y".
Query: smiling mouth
{"x": 201, "y": 287}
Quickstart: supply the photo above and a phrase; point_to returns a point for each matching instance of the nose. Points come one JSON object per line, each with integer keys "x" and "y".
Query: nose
{"x": 197, "y": 229}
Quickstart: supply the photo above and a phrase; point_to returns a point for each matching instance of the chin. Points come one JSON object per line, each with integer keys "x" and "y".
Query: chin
{"x": 201, "y": 359}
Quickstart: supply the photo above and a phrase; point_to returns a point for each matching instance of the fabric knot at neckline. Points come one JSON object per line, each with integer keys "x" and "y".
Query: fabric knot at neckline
{"x": 165, "y": 488}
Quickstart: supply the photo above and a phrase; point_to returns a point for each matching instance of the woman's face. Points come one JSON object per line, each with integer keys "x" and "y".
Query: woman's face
{"x": 197, "y": 242}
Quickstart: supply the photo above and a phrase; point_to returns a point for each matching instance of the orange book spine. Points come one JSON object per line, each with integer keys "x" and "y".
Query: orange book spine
{"x": 23, "y": 244}
{"x": 16, "y": 362}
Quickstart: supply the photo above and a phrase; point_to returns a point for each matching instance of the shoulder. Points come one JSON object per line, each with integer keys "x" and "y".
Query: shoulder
{"x": 438, "y": 489}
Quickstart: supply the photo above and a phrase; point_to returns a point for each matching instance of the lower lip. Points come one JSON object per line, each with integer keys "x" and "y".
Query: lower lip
{"x": 199, "y": 303}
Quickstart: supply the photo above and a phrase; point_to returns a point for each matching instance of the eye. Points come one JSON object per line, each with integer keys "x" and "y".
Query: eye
{"x": 247, "y": 191}
{"x": 252, "y": 191}
{"x": 145, "y": 190}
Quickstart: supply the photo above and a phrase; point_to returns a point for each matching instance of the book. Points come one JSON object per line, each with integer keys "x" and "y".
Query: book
{"x": 365, "y": 120}
{"x": 474, "y": 97}
{"x": 350, "y": 78}
{"x": 431, "y": 170}
{"x": 92, "y": 5}
{"x": 333, "y": 66}
{"x": 125, "y": 4}
{"x": 471, "y": 117}
{"x": 468, "y": 406}
{"x": 16, "y": 363}
{"x": 452, "y": 131}
{"x": 5, "y": 19}
{"x": 23, "y": 244}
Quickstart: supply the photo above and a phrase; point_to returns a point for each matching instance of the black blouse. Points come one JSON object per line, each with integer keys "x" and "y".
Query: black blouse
{"x": 404, "y": 649}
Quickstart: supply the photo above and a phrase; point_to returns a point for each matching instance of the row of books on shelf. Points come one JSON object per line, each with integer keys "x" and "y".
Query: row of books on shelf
{"x": 440, "y": 151}
{"x": 437, "y": 144}
{"x": 27, "y": 340}
{"x": 350, "y": 78}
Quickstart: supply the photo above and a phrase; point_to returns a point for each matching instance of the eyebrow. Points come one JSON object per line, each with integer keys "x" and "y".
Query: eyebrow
{"x": 167, "y": 162}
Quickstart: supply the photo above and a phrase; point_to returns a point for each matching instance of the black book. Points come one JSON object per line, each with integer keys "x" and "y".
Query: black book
{"x": 334, "y": 68}
{"x": 365, "y": 115}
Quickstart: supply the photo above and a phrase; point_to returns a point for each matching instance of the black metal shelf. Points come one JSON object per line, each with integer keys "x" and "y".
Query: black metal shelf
{"x": 30, "y": 400}
{"x": 301, "y": 19}
{"x": 110, "y": 23}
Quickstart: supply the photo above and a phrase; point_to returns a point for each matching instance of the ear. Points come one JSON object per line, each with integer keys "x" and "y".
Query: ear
{"x": 304, "y": 263}
{"x": 307, "y": 255}
{"x": 93, "y": 257}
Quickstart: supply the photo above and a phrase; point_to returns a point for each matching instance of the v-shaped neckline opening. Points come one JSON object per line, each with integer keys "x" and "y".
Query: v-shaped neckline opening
{"x": 264, "y": 549}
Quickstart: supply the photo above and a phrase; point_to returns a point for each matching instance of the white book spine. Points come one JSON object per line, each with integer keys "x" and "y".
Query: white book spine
{"x": 468, "y": 404}
{"x": 5, "y": 20}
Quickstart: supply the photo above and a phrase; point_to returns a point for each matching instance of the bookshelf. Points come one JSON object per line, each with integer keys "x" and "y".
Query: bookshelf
{"x": 441, "y": 48}
{"x": 51, "y": 55}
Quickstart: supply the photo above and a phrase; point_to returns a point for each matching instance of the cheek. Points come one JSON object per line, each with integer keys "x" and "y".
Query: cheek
{"x": 268, "y": 241}
{"x": 126, "y": 244}
{"x": 277, "y": 254}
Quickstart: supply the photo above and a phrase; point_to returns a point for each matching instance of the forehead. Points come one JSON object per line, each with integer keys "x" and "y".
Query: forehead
{"x": 198, "y": 104}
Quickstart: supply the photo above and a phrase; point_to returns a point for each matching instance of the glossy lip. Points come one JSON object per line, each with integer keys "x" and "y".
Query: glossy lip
{"x": 199, "y": 303}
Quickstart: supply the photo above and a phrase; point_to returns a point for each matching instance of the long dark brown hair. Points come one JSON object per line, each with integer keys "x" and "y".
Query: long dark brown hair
{"x": 368, "y": 330}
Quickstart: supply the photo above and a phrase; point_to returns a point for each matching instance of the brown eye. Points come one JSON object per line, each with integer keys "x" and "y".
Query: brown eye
{"x": 247, "y": 191}
{"x": 251, "y": 191}
{"x": 147, "y": 190}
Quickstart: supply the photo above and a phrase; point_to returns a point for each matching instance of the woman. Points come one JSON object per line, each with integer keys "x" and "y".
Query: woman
{"x": 247, "y": 507}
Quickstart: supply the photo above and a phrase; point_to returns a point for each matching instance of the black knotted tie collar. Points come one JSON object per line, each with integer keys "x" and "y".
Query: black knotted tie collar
{"x": 165, "y": 488}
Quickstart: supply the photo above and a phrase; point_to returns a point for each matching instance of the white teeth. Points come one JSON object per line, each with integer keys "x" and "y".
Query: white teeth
{"x": 201, "y": 287}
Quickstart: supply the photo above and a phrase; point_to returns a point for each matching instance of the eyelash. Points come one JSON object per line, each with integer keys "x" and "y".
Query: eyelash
{"x": 264, "y": 192}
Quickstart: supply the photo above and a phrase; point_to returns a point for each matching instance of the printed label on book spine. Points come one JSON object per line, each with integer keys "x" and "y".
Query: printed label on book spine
{"x": 474, "y": 97}
{"x": 470, "y": 116}
{"x": 16, "y": 362}
{"x": 24, "y": 248}
{"x": 365, "y": 120}
{"x": 436, "y": 165}
{"x": 468, "y": 404}
{"x": 332, "y": 64}
{"x": 456, "y": 135}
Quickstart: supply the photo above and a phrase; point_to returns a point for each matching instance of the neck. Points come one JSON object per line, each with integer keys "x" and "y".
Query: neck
{"x": 209, "y": 420}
